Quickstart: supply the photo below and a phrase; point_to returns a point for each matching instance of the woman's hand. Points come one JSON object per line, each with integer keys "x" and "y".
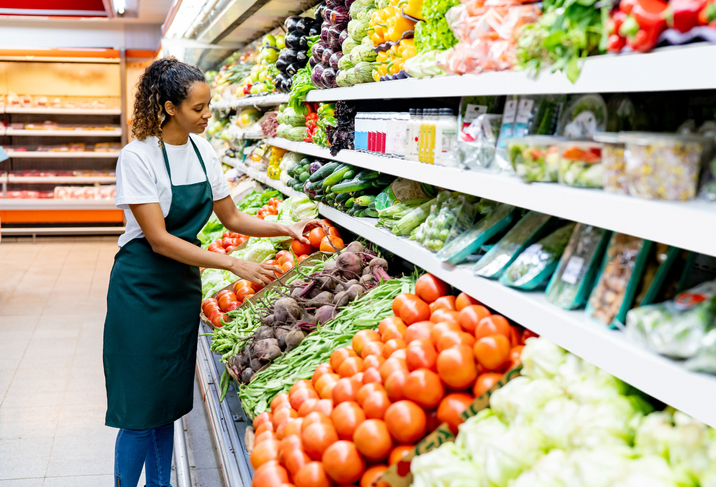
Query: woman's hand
{"x": 251, "y": 271}
{"x": 297, "y": 230}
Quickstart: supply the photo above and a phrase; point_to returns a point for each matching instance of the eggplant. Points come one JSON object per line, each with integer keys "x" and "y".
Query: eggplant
{"x": 326, "y": 14}
{"x": 289, "y": 55}
{"x": 302, "y": 58}
{"x": 326, "y": 56}
{"x": 316, "y": 76}
{"x": 281, "y": 65}
{"x": 315, "y": 30}
{"x": 325, "y": 26}
{"x": 292, "y": 41}
{"x": 312, "y": 62}
{"x": 329, "y": 78}
{"x": 286, "y": 86}
{"x": 291, "y": 69}
{"x": 344, "y": 36}
{"x": 303, "y": 43}
{"x": 335, "y": 3}
{"x": 340, "y": 15}
{"x": 318, "y": 49}
{"x": 334, "y": 40}
{"x": 318, "y": 13}
{"x": 290, "y": 23}
{"x": 303, "y": 25}
{"x": 349, "y": 3}
{"x": 333, "y": 61}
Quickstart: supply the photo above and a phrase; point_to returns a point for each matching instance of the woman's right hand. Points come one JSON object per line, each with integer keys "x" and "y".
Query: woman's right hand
{"x": 251, "y": 271}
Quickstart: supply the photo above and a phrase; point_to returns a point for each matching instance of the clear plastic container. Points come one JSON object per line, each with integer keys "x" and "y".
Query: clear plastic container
{"x": 535, "y": 158}
{"x": 663, "y": 166}
{"x": 615, "y": 180}
{"x": 580, "y": 164}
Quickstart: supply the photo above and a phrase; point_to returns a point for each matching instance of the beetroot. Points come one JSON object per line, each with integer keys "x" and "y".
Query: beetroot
{"x": 349, "y": 265}
{"x": 325, "y": 313}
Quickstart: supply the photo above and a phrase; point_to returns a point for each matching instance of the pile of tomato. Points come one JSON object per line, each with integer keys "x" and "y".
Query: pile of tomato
{"x": 216, "y": 309}
{"x": 227, "y": 243}
{"x": 326, "y": 241}
{"x": 271, "y": 208}
{"x": 368, "y": 407}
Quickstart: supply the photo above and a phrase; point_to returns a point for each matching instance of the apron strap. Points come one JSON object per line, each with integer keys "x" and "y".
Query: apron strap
{"x": 198, "y": 154}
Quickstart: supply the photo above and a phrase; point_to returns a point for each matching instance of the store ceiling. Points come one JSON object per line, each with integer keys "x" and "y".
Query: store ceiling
{"x": 136, "y": 11}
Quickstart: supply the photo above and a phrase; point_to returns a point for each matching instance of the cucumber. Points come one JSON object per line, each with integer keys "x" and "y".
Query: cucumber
{"x": 360, "y": 214}
{"x": 342, "y": 197}
{"x": 324, "y": 171}
{"x": 364, "y": 200}
{"x": 303, "y": 177}
{"x": 316, "y": 185}
{"x": 337, "y": 175}
{"x": 290, "y": 183}
{"x": 331, "y": 196}
{"x": 371, "y": 213}
{"x": 367, "y": 175}
{"x": 350, "y": 186}
{"x": 349, "y": 175}
{"x": 349, "y": 202}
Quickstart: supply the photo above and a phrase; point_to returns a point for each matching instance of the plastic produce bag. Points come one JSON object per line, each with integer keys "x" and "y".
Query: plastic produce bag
{"x": 477, "y": 142}
{"x": 535, "y": 265}
{"x": 455, "y": 215}
{"x": 621, "y": 272}
{"x": 585, "y": 116}
{"x": 461, "y": 246}
{"x": 681, "y": 328}
{"x": 501, "y": 255}
{"x": 570, "y": 285}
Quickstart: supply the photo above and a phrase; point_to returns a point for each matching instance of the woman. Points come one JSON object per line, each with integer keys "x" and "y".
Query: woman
{"x": 169, "y": 182}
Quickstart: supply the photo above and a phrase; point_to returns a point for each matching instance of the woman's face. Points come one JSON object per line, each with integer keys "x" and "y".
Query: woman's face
{"x": 193, "y": 114}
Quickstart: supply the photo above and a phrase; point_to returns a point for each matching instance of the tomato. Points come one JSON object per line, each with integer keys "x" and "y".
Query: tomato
{"x": 392, "y": 346}
{"x": 232, "y": 306}
{"x": 373, "y": 440}
{"x": 274, "y": 202}
{"x": 244, "y": 292}
{"x": 343, "y": 463}
{"x": 346, "y": 418}
{"x": 307, "y": 406}
{"x": 430, "y": 288}
{"x": 399, "y": 353}
{"x": 419, "y": 331}
{"x": 485, "y": 382}
{"x": 372, "y": 375}
{"x": 470, "y": 317}
{"x": 271, "y": 262}
{"x": 332, "y": 244}
{"x": 227, "y": 299}
{"x": 443, "y": 302}
{"x": 399, "y": 452}
{"x": 295, "y": 459}
{"x": 270, "y": 474}
{"x": 358, "y": 377}
{"x": 301, "y": 258}
{"x": 312, "y": 475}
{"x": 333, "y": 231}
{"x": 300, "y": 248}
{"x": 456, "y": 367}
{"x": 373, "y": 361}
{"x": 264, "y": 427}
{"x": 493, "y": 325}
{"x": 281, "y": 406}
{"x": 301, "y": 384}
{"x": 394, "y": 331}
{"x": 414, "y": 310}
{"x": 315, "y": 417}
{"x": 420, "y": 354}
{"x": 263, "y": 452}
{"x": 367, "y": 389}
{"x": 216, "y": 320}
{"x": 320, "y": 370}
{"x": 211, "y": 307}
{"x": 282, "y": 415}
{"x": 401, "y": 299}
{"x": 424, "y": 387}
{"x": 492, "y": 352}
{"x": 316, "y": 236}
{"x": 263, "y": 418}
{"x": 516, "y": 355}
{"x": 453, "y": 338}
{"x": 289, "y": 442}
{"x": 243, "y": 283}
{"x": 326, "y": 392}
{"x": 528, "y": 334}
{"x": 346, "y": 389}
{"x": 406, "y": 421}
{"x": 283, "y": 259}
{"x": 317, "y": 437}
{"x": 266, "y": 435}
{"x": 464, "y": 300}
{"x": 451, "y": 407}
{"x": 372, "y": 349}
{"x": 362, "y": 338}
{"x": 444, "y": 315}
{"x": 394, "y": 385}
{"x": 324, "y": 406}
{"x": 372, "y": 475}
{"x": 376, "y": 404}
{"x": 324, "y": 380}
{"x": 207, "y": 302}
{"x": 229, "y": 249}
{"x": 340, "y": 355}
{"x": 390, "y": 366}
{"x": 287, "y": 266}
{"x": 293, "y": 428}
{"x": 389, "y": 321}
{"x": 441, "y": 329}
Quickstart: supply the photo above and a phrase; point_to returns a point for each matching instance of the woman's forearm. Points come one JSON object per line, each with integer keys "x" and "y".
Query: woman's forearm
{"x": 244, "y": 224}
{"x": 187, "y": 253}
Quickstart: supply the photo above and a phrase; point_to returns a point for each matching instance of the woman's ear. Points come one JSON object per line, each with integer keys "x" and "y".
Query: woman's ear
{"x": 169, "y": 108}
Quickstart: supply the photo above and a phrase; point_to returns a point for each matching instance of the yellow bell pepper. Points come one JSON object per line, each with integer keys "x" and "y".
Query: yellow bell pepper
{"x": 399, "y": 25}
{"x": 413, "y": 8}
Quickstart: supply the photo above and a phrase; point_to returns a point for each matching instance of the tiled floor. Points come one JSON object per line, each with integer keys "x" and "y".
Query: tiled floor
{"x": 52, "y": 397}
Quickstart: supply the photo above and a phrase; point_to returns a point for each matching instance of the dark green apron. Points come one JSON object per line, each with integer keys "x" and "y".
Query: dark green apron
{"x": 151, "y": 329}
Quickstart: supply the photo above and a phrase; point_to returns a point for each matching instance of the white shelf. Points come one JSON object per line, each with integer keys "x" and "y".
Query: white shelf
{"x": 59, "y": 179}
{"x": 62, "y": 231}
{"x": 657, "y": 376}
{"x": 688, "y": 225}
{"x": 53, "y": 204}
{"x": 62, "y": 155}
{"x": 65, "y": 133}
{"x": 64, "y": 111}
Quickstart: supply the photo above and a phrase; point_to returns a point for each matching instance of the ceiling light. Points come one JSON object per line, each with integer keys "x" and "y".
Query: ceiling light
{"x": 119, "y": 6}
{"x": 188, "y": 11}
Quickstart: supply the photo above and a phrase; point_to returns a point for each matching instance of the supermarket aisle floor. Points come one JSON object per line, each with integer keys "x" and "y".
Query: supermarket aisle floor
{"x": 52, "y": 398}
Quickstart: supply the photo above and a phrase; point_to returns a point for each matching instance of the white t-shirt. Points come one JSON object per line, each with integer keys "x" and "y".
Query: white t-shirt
{"x": 142, "y": 176}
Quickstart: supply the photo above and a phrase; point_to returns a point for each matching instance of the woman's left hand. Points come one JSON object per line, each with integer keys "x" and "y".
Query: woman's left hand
{"x": 296, "y": 230}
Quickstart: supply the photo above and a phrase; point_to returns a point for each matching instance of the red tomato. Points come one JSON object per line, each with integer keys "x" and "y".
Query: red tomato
{"x": 362, "y": 338}
{"x": 453, "y": 338}
{"x": 340, "y": 355}
{"x": 414, "y": 310}
{"x": 295, "y": 459}
{"x": 372, "y": 349}
{"x": 372, "y": 438}
{"x": 443, "y": 302}
{"x": 316, "y": 236}
{"x": 373, "y": 361}
{"x": 307, "y": 406}
{"x": 424, "y": 387}
{"x": 391, "y": 320}
{"x": 444, "y": 315}
{"x": 406, "y": 421}
{"x": 393, "y": 331}
{"x": 300, "y": 248}
{"x": 372, "y": 475}
{"x": 456, "y": 367}
{"x": 278, "y": 399}
{"x": 470, "y": 317}
{"x": 399, "y": 452}
{"x": 346, "y": 418}
{"x": 430, "y": 288}
{"x": 301, "y": 384}
{"x": 419, "y": 331}
{"x": 270, "y": 474}
{"x": 266, "y": 435}
{"x": 528, "y": 334}
{"x": 493, "y": 352}
{"x": 346, "y": 389}
{"x": 493, "y": 325}
{"x": 367, "y": 389}
{"x": 312, "y": 475}
{"x": 420, "y": 354}
{"x": 394, "y": 385}
{"x": 485, "y": 382}
{"x": 331, "y": 243}
{"x": 392, "y": 346}
{"x": 465, "y": 300}
{"x": 441, "y": 329}
{"x": 226, "y": 299}
{"x": 282, "y": 415}
{"x": 324, "y": 406}
{"x": 372, "y": 375}
{"x": 317, "y": 437}
{"x": 320, "y": 370}
{"x": 451, "y": 407}
{"x": 262, "y": 418}
{"x": 400, "y": 300}
{"x": 264, "y": 451}
{"x": 324, "y": 380}
{"x": 516, "y": 355}
{"x": 301, "y": 258}
{"x": 390, "y": 366}
{"x": 343, "y": 463}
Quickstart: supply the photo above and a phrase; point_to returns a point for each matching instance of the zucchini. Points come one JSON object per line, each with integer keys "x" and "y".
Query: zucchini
{"x": 349, "y": 175}
{"x": 350, "y": 186}
{"x": 360, "y": 214}
{"x": 364, "y": 200}
{"x": 316, "y": 185}
{"x": 371, "y": 213}
{"x": 324, "y": 171}
{"x": 337, "y": 175}
{"x": 367, "y": 175}
{"x": 342, "y": 197}
{"x": 303, "y": 177}
{"x": 290, "y": 182}
{"x": 349, "y": 202}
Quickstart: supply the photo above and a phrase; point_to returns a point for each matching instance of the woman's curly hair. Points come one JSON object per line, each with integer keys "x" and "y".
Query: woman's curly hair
{"x": 167, "y": 79}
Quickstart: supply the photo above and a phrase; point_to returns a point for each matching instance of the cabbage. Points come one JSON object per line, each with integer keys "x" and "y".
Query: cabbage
{"x": 297, "y": 208}
{"x": 609, "y": 422}
{"x": 598, "y": 467}
{"x": 541, "y": 359}
{"x": 588, "y": 383}
{"x": 474, "y": 431}
{"x": 549, "y": 471}
{"x": 213, "y": 281}
{"x": 556, "y": 422}
{"x": 652, "y": 471}
{"x": 446, "y": 466}
{"x": 259, "y": 250}
{"x": 522, "y": 396}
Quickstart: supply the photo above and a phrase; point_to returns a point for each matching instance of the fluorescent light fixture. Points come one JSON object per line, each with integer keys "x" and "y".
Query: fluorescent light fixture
{"x": 119, "y": 6}
{"x": 188, "y": 12}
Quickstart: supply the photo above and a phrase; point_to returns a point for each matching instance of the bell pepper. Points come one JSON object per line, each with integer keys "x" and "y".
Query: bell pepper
{"x": 646, "y": 20}
{"x": 397, "y": 25}
{"x": 615, "y": 41}
{"x": 707, "y": 15}
{"x": 413, "y": 8}
{"x": 683, "y": 15}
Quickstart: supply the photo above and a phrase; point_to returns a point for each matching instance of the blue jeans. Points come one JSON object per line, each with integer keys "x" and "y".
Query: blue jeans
{"x": 139, "y": 448}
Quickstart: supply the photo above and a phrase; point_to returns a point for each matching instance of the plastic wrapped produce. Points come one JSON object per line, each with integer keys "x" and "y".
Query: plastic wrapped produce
{"x": 455, "y": 216}
{"x": 503, "y": 253}
{"x": 537, "y": 263}
{"x": 663, "y": 166}
{"x": 577, "y": 269}
{"x": 585, "y": 116}
{"x": 613, "y": 163}
{"x": 580, "y": 164}
{"x": 535, "y": 158}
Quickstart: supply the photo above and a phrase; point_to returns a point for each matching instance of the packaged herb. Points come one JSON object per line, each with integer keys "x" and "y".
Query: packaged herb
{"x": 500, "y": 256}
{"x": 619, "y": 278}
{"x": 421, "y": 233}
{"x": 458, "y": 248}
{"x": 570, "y": 285}
{"x": 585, "y": 116}
{"x": 537, "y": 263}
{"x": 455, "y": 216}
